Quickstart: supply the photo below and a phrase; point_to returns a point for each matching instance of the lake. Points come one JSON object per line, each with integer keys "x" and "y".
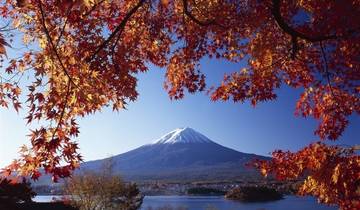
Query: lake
{"x": 206, "y": 202}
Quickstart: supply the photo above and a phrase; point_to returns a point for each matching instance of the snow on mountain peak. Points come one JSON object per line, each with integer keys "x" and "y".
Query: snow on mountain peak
{"x": 183, "y": 135}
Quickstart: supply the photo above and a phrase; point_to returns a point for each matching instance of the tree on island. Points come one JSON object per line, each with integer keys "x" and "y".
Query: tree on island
{"x": 253, "y": 194}
{"x": 205, "y": 191}
{"x": 78, "y": 56}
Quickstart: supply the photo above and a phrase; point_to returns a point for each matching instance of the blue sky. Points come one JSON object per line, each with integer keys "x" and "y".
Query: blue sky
{"x": 259, "y": 130}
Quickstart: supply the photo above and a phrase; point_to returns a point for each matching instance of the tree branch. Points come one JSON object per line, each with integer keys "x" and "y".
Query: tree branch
{"x": 193, "y": 18}
{"x": 120, "y": 27}
{"x": 326, "y": 67}
{"x": 63, "y": 110}
{"x": 62, "y": 66}
{"x": 52, "y": 43}
{"x": 275, "y": 10}
{"x": 65, "y": 23}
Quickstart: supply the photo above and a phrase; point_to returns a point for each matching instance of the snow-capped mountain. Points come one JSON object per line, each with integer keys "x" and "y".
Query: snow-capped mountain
{"x": 183, "y": 135}
{"x": 182, "y": 154}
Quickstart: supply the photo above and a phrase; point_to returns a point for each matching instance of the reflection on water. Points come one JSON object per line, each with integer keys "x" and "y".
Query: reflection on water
{"x": 218, "y": 202}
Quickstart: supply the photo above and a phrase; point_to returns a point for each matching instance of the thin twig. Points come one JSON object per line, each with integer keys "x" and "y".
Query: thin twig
{"x": 326, "y": 68}
{"x": 63, "y": 110}
{"x": 65, "y": 23}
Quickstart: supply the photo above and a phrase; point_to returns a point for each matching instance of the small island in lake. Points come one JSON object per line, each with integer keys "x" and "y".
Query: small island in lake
{"x": 205, "y": 191}
{"x": 253, "y": 194}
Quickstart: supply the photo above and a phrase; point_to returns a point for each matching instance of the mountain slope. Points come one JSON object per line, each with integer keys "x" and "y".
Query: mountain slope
{"x": 181, "y": 154}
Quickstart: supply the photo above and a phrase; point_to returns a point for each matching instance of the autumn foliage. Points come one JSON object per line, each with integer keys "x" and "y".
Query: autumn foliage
{"x": 332, "y": 172}
{"x": 82, "y": 55}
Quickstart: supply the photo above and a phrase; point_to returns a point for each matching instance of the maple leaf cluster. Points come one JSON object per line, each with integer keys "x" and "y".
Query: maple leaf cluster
{"x": 333, "y": 172}
{"x": 83, "y": 55}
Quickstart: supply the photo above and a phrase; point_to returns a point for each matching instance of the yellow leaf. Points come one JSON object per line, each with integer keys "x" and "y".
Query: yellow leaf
{"x": 72, "y": 60}
{"x": 88, "y": 3}
{"x": 335, "y": 175}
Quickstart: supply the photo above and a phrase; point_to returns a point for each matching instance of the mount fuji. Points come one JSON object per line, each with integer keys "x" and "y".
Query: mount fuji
{"x": 182, "y": 154}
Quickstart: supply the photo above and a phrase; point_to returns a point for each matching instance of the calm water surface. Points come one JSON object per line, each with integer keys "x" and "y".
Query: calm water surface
{"x": 204, "y": 202}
